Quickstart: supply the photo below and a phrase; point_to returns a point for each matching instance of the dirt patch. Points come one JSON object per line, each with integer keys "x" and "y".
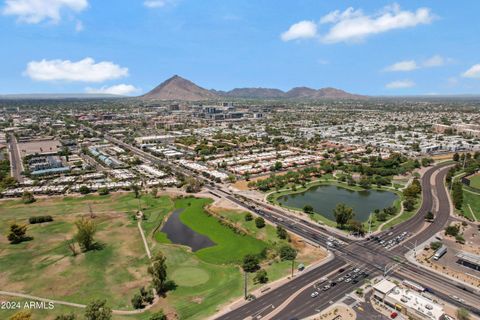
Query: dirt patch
{"x": 425, "y": 258}
{"x": 336, "y": 312}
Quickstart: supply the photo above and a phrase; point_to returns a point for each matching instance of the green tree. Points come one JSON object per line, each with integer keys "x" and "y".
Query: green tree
{"x": 456, "y": 157}
{"x": 158, "y": 272}
{"x": 460, "y": 239}
{"x": 137, "y": 301}
{"x": 463, "y": 314}
{"x": 86, "y": 229}
{"x": 435, "y": 245}
{"x": 356, "y": 227}
{"x": 27, "y": 197}
{"x": 21, "y": 315}
{"x": 288, "y": 253}
{"x": 278, "y": 165}
{"x": 343, "y": 214}
{"x": 429, "y": 216}
{"x": 136, "y": 190}
{"x": 281, "y": 232}
{"x": 103, "y": 191}
{"x": 84, "y": 190}
{"x": 70, "y": 316}
{"x": 158, "y": 316}
{"x": 248, "y": 216}
{"x": 457, "y": 194}
{"x": 453, "y": 230}
{"x": 308, "y": 209}
{"x": 17, "y": 233}
{"x": 250, "y": 263}
{"x": 261, "y": 276}
{"x": 260, "y": 222}
{"x": 409, "y": 204}
{"x": 97, "y": 310}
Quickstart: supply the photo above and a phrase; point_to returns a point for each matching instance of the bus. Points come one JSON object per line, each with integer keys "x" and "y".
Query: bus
{"x": 439, "y": 253}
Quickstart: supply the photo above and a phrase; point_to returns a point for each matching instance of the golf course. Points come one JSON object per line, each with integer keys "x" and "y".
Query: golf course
{"x": 45, "y": 267}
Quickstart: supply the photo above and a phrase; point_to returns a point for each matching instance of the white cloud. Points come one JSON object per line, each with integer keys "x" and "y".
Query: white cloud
{"x": 473, "y": 72}
{"x": 119, "y": 89}
{"x": 157, "y": 3}
{"x": 407, "y": 65}
{"x": 300, "y": 30}
{"x": 85, "y": 70}
{"x": 435, "y": 61}
{"x": 36, "y": 11}
{"x": 353, "y": 25}
{"x": 400, "y": 84}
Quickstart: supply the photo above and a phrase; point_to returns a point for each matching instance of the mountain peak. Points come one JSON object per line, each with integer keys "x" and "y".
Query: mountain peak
{"x": 178, "y": 88}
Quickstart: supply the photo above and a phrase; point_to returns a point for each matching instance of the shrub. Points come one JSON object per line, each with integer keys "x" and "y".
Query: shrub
{"x": 103, "y": 191}
{"x": 260, "y": 222}
{"x": 435, "y": 245}
{"x": 452, "y": 231}
{"x": 27, "y": 197}
{"x": 40, "y": 219}
{"x": 84, "y": 190}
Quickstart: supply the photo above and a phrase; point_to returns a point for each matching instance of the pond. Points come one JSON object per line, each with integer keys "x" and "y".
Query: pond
{"x": 324, "y": 198}
{"x": 179, "y": 233}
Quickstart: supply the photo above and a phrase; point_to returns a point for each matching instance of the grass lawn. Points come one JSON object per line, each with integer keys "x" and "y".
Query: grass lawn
{"x": 275, "y": 268}
{"x": 205, "y": 279}
{"x": 404, "y": 216}
{"x": 475, "y": 181}
{"x": 471, "y": 200}
{"x": 45, "y": 267}
{"x": 230, "y": 247}
{"x": 202, "y": 286}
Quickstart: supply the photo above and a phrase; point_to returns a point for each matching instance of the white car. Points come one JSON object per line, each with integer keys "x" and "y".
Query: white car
{"x": 348, "y": 280}
{"x": 314, "y": 294}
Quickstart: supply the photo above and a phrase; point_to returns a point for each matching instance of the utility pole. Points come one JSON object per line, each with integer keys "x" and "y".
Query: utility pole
{"x": 370, "y": 224}
{"x": 245, "y": 283}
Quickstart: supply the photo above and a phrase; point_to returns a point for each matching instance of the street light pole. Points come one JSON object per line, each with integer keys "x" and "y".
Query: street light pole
{"x": 245, "y": 283}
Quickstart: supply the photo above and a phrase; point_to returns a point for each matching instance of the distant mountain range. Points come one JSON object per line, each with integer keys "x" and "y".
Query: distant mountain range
{"x": 180, "y": 89}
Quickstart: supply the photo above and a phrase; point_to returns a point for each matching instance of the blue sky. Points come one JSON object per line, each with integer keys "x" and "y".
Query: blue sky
{"x": 130, "y": 46}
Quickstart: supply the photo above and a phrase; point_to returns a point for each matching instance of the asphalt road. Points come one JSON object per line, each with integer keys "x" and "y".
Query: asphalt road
{"x": 366, "y": 254}
{"x": 15, "y": 159}
{"x": 369, "y": 256}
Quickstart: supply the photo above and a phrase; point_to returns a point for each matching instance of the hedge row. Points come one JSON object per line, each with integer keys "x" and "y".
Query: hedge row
{"x": 40, "y": 219}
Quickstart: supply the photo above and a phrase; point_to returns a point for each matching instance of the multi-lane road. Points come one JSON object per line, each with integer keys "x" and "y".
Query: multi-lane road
{"x": 367, "y": 255}
{"x": 15, "y": 159}
{"x": 293, "y": 300}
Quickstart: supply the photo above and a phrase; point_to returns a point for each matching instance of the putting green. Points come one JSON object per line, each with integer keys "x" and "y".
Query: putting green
{"x": 189, "y": 276}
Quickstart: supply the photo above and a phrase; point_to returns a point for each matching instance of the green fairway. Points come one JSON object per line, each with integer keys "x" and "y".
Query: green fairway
{"x": 475, "y": 181}
{"x": 471, "y": 205}
{"x": 205, "y": 279}
{"x": 230, "y": 247}
{"x": 202, "y": 286}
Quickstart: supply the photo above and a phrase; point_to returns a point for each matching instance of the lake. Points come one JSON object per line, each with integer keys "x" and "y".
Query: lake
{"x": 324, "y": 198}
{"x": 179, "y": 233}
